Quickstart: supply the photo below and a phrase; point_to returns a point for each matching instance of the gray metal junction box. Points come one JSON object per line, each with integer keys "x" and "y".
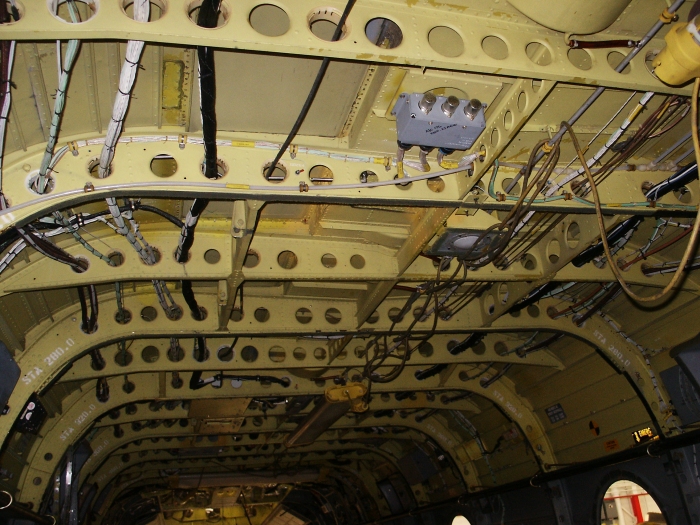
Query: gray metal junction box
{"x": 423, "y": 119}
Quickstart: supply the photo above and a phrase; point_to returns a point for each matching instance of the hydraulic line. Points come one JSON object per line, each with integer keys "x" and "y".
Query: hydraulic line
{"x": 671, "y": 149}
{"x": 14, "y": 252}
{"x": 599, "y": 91}
{"x": 601, "y": 44}
{"x": 690, "y": 249}
{"x": 312, "y": 94}
{"x": 207, "y": 17}
{"x": 196, "y": 382}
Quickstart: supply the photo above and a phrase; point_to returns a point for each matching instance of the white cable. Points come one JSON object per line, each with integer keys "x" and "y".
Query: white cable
{"x": 9, "y": 256}
{"x": 604, "y": 127}
{"x": 602, "y": 151}
{"x": 5, "y": 111}
{"x": 134, "y": 48}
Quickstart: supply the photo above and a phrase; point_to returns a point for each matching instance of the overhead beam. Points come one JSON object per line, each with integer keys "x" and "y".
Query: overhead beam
{"x": 494, "y": 43}
{"x": 381, "y": 263}
{"x": 82, "y": 408}
{"x": 40, "y": 364}
{"x": 132, "y": 176}
{"x": 499, "y": 132}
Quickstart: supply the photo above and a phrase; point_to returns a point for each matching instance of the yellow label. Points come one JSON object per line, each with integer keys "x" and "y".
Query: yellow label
{"x": 242, "y": 143}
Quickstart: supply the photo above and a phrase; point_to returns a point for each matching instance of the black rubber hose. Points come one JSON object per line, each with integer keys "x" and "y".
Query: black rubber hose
{"x": 207, "y": 17}
{"x": 471, "y": 341}
{"x": 312, "y": 94}
{"x": 83, "y": 310}
{"x": 674, "y": 182}
{"x": 615, "y": 235}
{"x": 430, "y": 372}
{"x": 187, "y": 233}
{"x": 188, "y": 294}
{"x": 534, "y": 296}
{"x": 145, "y": 207}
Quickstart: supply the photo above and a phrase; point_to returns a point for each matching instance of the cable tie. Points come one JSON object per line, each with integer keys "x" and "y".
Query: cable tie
{"x": 73, "y": 148}
{"x": 387, "y": 163}
{"x": 667, "y": 17}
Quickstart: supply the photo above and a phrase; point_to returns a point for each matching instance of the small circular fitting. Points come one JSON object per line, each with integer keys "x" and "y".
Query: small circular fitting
{"x": 471, "y": 110}
{"x": 450, "y": 105}
{"x": 427, "y": 102}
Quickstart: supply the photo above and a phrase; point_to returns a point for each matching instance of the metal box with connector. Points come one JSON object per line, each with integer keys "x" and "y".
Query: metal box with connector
{"x": 423, "y": 119}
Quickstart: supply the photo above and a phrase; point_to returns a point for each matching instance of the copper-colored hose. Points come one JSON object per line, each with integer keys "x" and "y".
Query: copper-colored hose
{"x": 599, "y": 213}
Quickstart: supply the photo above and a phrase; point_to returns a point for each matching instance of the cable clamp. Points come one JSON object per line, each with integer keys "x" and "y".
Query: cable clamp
{"x": 181, "y": 140}
{"x": 293, "y": 150}
{"x": 88, "y": 187}
{"x": 501, "y": 197}
{"x": 568, "y": 196}
{"x": 666, "y": 17}
{"x": 547, "y": 147}
{"x": 387, "y": 163}
{"x": 652, "y": 204}
{"x": 73, "y": 147}
{"x": 303, "y": 187}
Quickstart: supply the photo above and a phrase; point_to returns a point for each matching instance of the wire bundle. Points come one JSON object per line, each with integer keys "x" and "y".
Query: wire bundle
{"x": 7, "y": 55}
{"x": 37, "y": 241}
{"x": 59, "y": 102}
{"x": 207, "y": 17}
{"x": 442, "y": 299}
{"x": 89, "y": 320}
{"x": 127, "y": 77}
{"x": 498, "y": 236}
